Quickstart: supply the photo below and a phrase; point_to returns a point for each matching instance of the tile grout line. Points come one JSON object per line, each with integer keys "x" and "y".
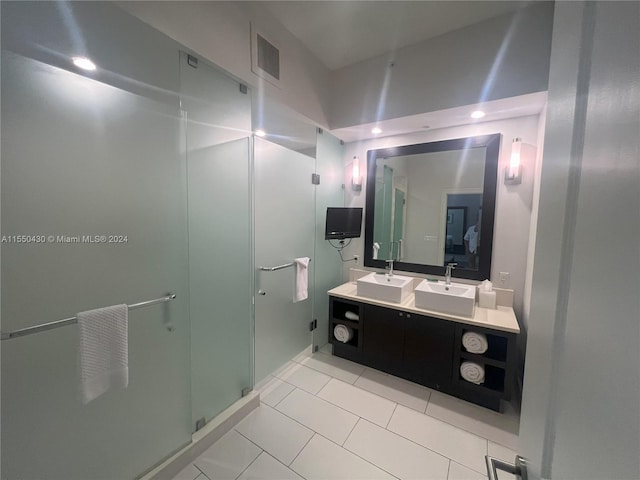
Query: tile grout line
{"x": 356, "y": 455}
{"x": 462, "y": 428}
{"x": 449, "y": 468}
{"x": 392, "y": 413}
{"x": 296, "y": 386}
{"x": 298, "y": 454}
{"x": 251, "y": 463}
{"x": 393, "y": 388}
{"x": 309, "y": 428}
{"x": 431, "y": 450}
{"x": 249, "y": 440}
{"x": 283, "y": 398}
{"x": 351, "y": 431}
{"x": 288, "y": 466}
{"x": 197, "y": 468}
{"x": 363, "y": 390}
{"x": 426, "y": 407}
{"x": 333, "y": 376}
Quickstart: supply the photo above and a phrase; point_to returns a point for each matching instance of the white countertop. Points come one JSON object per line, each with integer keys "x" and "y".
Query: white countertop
{"x": 502, "y": 318}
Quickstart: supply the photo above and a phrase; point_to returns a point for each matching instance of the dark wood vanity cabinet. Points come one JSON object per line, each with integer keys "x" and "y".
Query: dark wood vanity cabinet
{"x": 428, "y": 350}
{"x": 412, "y": 346}
{"x": 424, "y": 350}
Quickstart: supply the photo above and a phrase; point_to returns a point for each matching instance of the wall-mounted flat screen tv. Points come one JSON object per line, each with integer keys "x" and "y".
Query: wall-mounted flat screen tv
{"x": 343, "y": 223}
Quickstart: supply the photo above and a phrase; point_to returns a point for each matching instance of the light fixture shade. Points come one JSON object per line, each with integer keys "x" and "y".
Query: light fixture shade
{"x": 513, "y": 173}
{"x": 356, "y": 179}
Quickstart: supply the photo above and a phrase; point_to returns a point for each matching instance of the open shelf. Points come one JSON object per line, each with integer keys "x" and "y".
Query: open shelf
{"x": 493, "y": 380}
{"x": 497, "y": 347}
{"x": 339, "y": 308}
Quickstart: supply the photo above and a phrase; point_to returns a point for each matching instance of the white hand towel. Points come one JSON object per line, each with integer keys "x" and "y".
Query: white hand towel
{"x": 472, "y": 372}
{"x": 376, "y": 250}
{"x": 104, "y": 350}
{"x": 302, "y": 279}
{"x": 475, "y": 342}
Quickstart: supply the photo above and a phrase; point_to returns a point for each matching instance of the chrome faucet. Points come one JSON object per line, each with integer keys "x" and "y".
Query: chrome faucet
{"x": 447, "y": 273}
{"x": 390, "y": 268}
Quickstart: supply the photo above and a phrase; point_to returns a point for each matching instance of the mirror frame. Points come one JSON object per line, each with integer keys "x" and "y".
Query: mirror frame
{"x": 492, "y": 145}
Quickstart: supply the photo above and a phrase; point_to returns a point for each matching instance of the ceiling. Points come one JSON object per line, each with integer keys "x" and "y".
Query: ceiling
{"x": 341, "y": 33}
{"x": 523, "y": 105}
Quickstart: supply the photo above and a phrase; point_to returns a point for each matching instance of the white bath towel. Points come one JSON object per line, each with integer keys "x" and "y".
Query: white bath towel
{"x": 302, "y": 279}
{"x": 342, "y": 333}
{"x": 472, "y": 372}
{"x": 104, "y": 350}
{"x": 475, "y": 342}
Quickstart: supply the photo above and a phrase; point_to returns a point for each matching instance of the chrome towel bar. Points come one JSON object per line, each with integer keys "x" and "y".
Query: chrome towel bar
{"x": 279, "y": 267}
{"x": 71, "y": 320}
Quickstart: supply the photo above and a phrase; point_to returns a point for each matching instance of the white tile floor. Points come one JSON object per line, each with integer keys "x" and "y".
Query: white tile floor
{"x": 323, "y": 417}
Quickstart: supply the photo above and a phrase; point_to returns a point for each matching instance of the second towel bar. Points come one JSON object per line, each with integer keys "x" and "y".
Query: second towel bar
{"x": 278, "y": 267}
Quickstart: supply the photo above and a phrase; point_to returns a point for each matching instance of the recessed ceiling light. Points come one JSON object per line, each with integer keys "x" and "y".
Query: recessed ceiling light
{"x": 260, "y": 133}
{"x": 84, "y": 63}
{"x": 477, "y": 114}
{"x": 376, "y": 130}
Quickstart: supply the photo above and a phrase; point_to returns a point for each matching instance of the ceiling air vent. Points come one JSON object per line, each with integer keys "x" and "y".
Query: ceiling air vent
{"x": 268, "y": 57}
{"x": 265, "y": 58}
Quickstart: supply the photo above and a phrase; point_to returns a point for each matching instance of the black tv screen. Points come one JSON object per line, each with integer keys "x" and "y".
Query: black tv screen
{"x": 343, "y": 223}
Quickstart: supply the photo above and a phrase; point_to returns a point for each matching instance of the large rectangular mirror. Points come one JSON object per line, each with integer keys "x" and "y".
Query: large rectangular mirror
{"x": 431, "y": 204}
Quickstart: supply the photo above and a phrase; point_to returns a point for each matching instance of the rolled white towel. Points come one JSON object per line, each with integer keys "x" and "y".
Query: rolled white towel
{"x": 475, "y": 342}
{"x": 342, "y": 333}
{"x": 472, "y": 372}
{"x": 351, "y": 316}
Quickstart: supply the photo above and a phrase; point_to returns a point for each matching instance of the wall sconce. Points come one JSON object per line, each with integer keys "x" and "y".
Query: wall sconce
{"x": 513, "y": 173}
{"x": 356, "y": 179}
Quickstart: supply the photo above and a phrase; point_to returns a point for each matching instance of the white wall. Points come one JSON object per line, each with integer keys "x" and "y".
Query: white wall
{"x": 502, "y": 57}
{"x": 220, "y": 31}
{"x": 513, "y": 203}
{"x": 581, "y": 398}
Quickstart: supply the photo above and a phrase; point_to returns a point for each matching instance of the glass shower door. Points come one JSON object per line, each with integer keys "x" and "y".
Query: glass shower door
{"x": 284, "y": 230}
{"x": 98, "y": 174}
{"x": 218, "y": 114}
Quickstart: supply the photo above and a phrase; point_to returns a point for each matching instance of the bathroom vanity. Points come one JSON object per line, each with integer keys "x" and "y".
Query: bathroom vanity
{"x": 425, "y": 346}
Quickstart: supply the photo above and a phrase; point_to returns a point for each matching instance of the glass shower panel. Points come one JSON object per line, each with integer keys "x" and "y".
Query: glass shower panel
{"x": 284, "y": 230}
{"x": 220, "y": 250}
{"x": 83, "y": 159}
{"x": 330, "y": 193}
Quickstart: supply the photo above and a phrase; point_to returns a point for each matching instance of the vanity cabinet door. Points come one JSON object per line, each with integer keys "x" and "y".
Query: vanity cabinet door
{"x": 428, "y": 351}
{"x": 383, "y": 338}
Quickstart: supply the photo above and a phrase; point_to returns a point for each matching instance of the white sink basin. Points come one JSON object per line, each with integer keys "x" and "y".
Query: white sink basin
{"x": 455, "y": 299}
{"x": 393, "y": 288}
